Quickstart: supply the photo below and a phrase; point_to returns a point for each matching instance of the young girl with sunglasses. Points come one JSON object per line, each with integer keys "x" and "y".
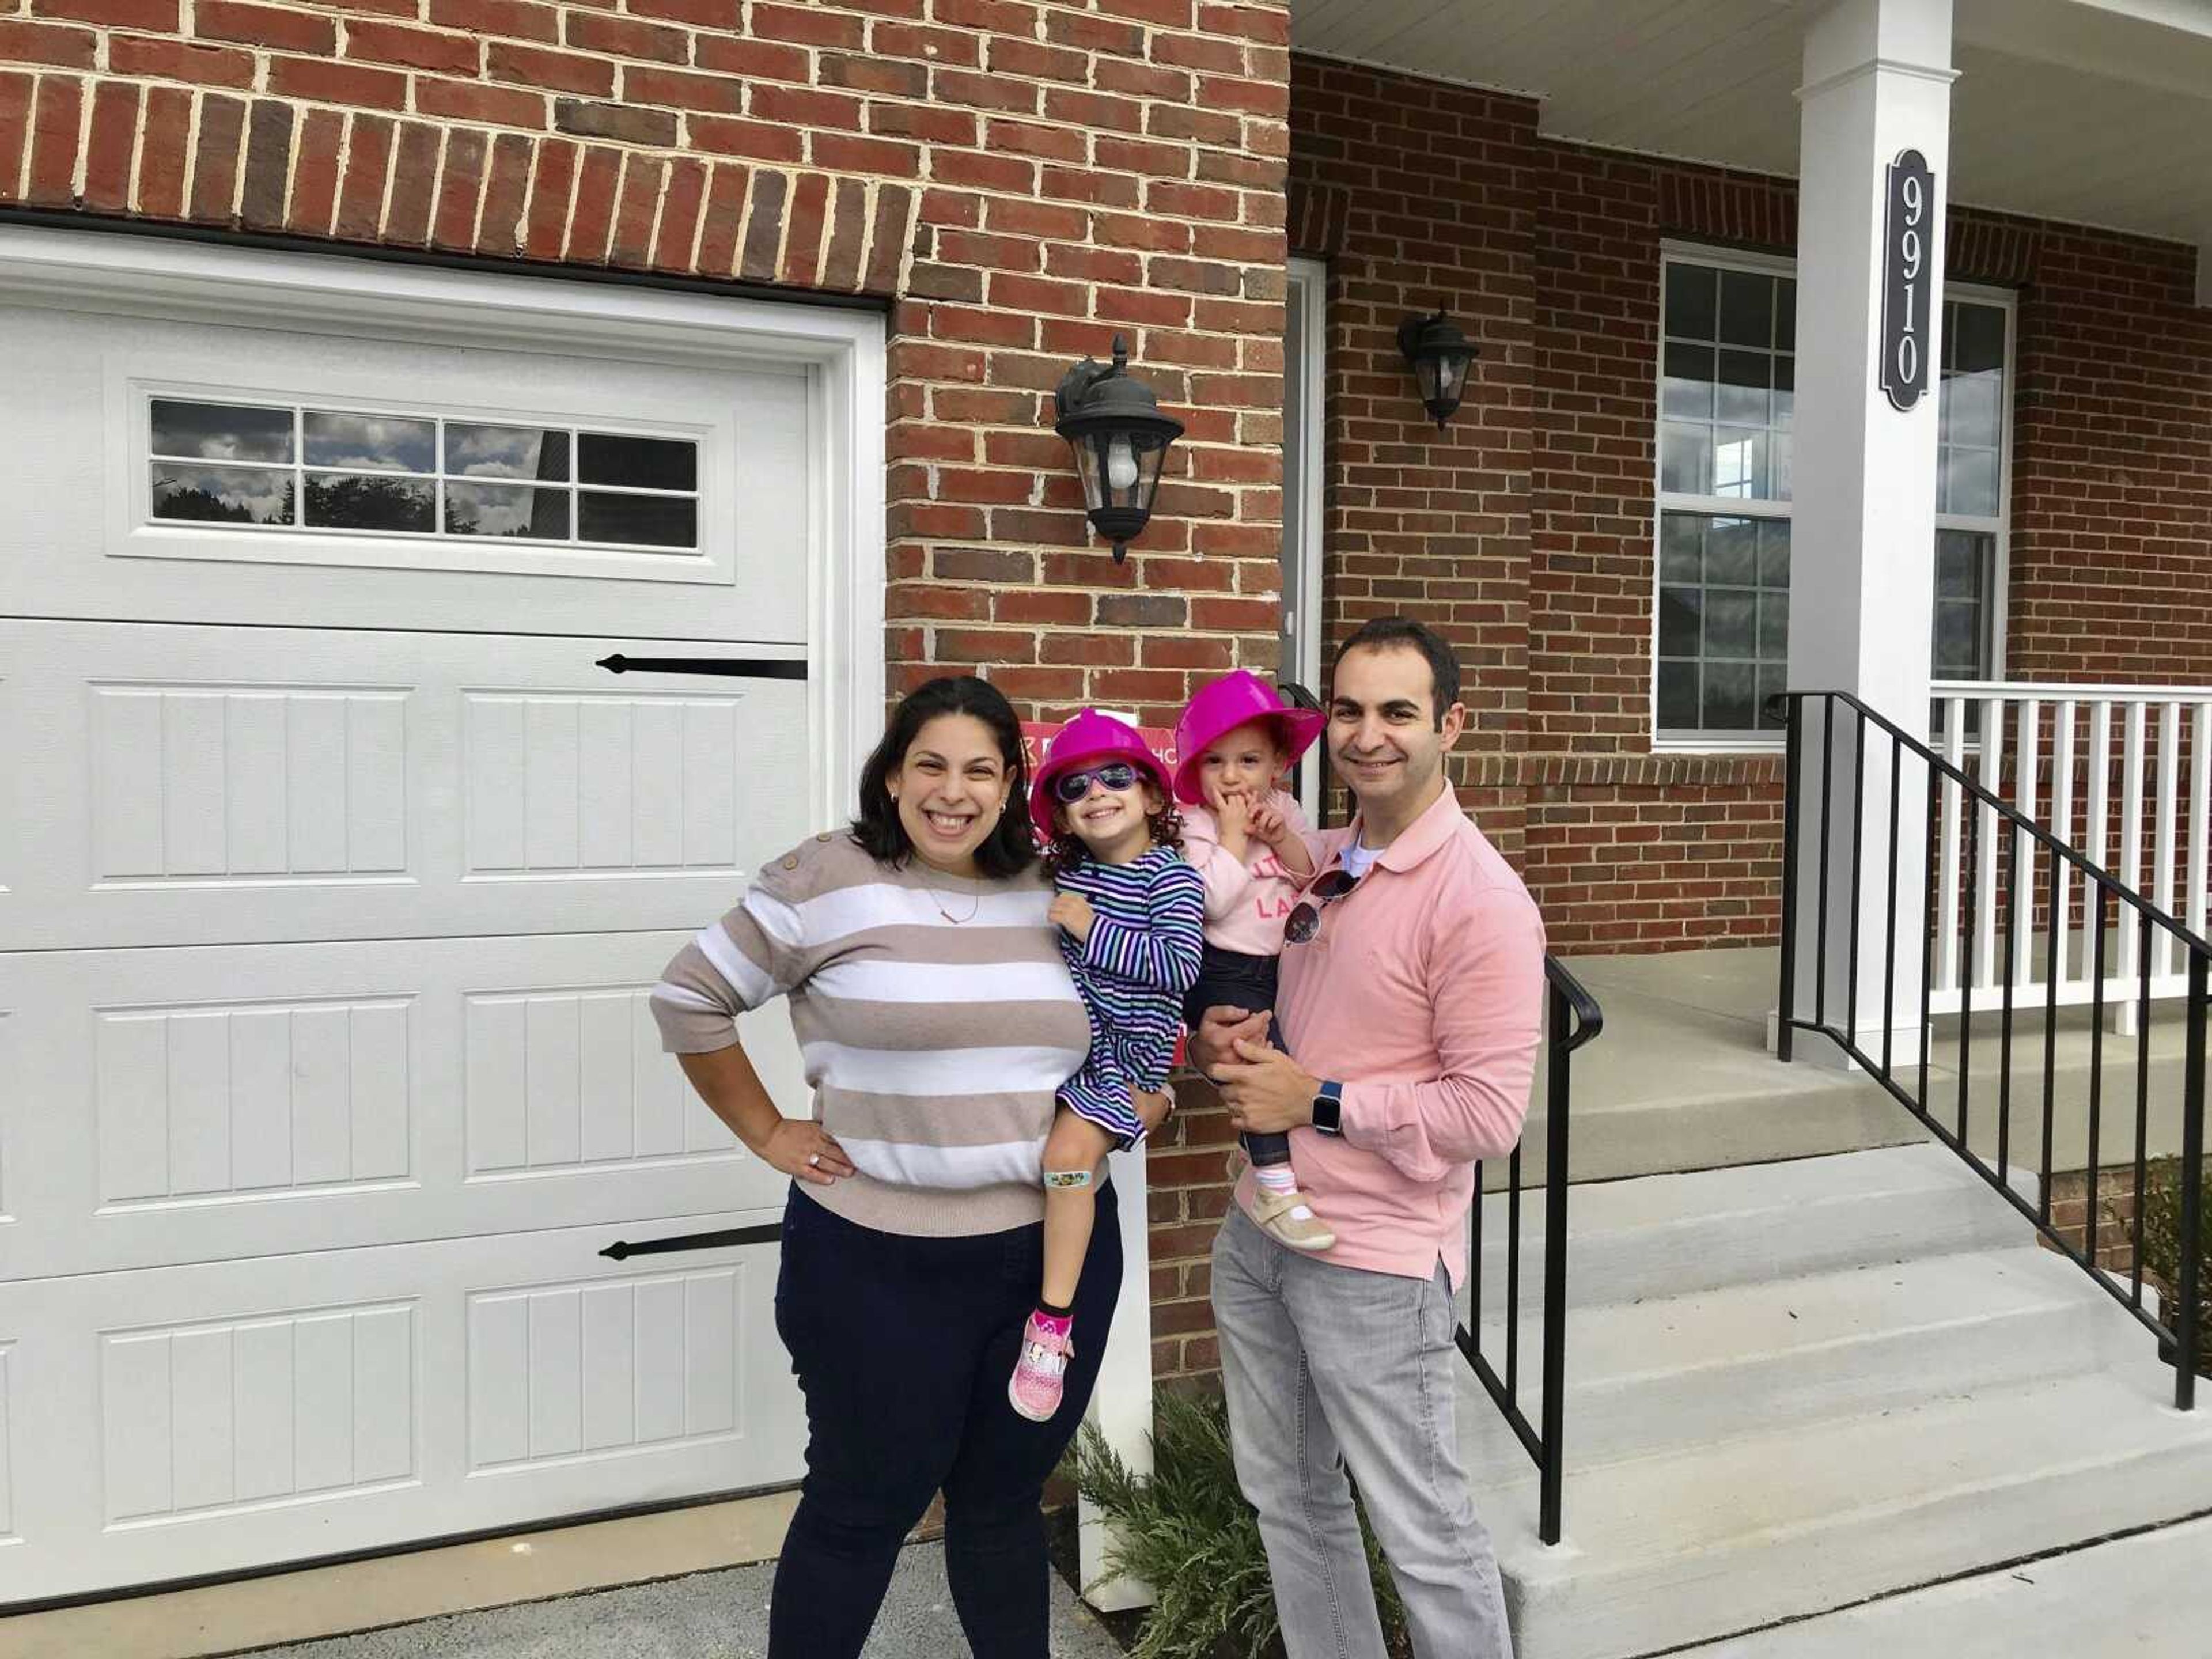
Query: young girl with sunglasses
{"x": 1132, "y": 917}
{"x": 1246, "y": 837}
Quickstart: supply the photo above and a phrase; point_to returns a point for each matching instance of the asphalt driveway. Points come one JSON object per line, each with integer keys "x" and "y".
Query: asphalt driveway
{"x": 707, "y": 1615}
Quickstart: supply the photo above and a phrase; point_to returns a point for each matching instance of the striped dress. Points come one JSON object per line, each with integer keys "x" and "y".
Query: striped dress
{"x": 1147, "y": 938}
{"x": 934, "y": 1048}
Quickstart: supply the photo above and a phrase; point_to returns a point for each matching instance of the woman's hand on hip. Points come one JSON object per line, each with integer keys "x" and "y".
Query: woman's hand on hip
{"x": 800, "y": 1147}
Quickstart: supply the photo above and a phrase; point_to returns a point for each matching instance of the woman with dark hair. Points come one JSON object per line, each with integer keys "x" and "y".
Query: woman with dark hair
{"x": 936, "y": 1020}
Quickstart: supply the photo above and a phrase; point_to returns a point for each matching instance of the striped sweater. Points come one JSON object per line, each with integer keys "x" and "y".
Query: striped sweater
{"x": 934, "y": 1048}
{"x": 1147, "y": 938}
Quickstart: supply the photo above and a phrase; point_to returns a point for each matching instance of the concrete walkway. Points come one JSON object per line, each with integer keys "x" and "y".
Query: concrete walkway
{"x": 707, "y": 1615}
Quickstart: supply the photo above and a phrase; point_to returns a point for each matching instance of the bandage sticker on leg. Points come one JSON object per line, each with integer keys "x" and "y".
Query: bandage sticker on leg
{"x": 1058, "y": 1179}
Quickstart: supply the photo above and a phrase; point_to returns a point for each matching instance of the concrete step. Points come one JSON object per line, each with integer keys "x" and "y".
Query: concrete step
{"x": 1672, "y": 1235}
{"x": 2146, "y": 1596}
{"x": 1750, "y": 1358}
{"x": 1713, "y": 1540}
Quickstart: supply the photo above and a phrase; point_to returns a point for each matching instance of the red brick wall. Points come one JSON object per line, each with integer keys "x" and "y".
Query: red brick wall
{"x": 1016, "y": 180}
{"x": 2111, "y": 528}
{"x": 1548, "y": 254}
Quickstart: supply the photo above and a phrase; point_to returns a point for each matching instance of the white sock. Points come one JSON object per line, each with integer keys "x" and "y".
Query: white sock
{"x": 1276, "y": 1178}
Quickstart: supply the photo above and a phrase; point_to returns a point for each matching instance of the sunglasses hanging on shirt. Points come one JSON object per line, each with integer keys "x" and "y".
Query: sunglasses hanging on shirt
{"x": 1305, "y": 919}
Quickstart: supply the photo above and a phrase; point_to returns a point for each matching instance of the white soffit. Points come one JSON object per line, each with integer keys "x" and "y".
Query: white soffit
{"x": 2091, "y": 112}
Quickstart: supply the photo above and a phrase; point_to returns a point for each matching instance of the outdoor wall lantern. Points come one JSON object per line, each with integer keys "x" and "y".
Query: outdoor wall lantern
{"x": 1439, "y": 354}
{"x": 1113, "y": 422}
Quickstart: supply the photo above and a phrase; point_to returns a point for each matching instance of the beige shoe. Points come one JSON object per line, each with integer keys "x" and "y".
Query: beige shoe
{"x": 1288, "y": 1219}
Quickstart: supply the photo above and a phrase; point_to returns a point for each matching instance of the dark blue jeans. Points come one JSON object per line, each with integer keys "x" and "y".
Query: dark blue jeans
{"x": 903, "y": 1348}
{"x": 1232, "y": 979}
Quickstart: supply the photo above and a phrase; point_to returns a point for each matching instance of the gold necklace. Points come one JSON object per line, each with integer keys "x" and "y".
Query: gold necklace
{"x": 947, "y": 914}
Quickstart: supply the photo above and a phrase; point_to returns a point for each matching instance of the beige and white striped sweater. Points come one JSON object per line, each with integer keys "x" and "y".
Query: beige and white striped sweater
{"x": 934, "y": 1047}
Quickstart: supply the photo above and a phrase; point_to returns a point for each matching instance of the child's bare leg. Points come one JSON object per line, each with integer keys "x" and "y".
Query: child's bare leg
{"x": 1073, "y": 1155}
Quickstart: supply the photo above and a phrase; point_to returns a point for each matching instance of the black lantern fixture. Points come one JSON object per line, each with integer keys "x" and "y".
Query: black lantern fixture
{"x": 1439, "y": 354}
{"x": 1113, "y": 422}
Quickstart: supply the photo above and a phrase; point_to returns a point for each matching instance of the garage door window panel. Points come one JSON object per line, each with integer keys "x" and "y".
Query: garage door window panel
{"x": 256, "y": 466}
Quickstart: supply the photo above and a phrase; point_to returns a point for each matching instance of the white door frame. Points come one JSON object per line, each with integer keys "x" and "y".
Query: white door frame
{"x": 1305, "y": 450}
{"x": 843, "y": 350}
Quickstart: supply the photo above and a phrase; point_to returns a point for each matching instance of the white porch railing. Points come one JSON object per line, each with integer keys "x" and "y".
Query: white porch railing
{"x": 2121, "y": 773}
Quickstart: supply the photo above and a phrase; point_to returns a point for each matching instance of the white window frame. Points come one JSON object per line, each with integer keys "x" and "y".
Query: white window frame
{"x": 1663, "y": 502}
{"x": 1305, "y": 449}
{"x": 840, "y": 349}
{"x": 1672, "y": 252}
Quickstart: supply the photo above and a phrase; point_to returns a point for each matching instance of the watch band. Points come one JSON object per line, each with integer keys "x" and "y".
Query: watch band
{"x": 1328, "y": 1109}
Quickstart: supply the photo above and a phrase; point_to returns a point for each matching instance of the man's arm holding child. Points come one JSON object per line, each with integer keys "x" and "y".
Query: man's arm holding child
{"x": 1486, "y": 1001}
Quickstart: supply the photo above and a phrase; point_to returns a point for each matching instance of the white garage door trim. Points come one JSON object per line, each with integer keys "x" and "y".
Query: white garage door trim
{"x": 843, "y": 350}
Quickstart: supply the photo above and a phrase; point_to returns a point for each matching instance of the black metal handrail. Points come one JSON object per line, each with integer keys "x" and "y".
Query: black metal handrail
{"x": 2180, "y": 1345}
{"x": 1573, "y": 1019}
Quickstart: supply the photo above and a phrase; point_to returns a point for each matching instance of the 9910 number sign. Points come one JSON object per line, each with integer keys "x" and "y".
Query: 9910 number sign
{"x": 1909, "y": 233}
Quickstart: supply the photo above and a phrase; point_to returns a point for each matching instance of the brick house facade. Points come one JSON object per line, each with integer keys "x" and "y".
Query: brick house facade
{"x": 1017, "y": 182}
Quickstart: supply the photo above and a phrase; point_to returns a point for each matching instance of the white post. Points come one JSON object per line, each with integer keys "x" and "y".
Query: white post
{"x": 1121, "y": 1405}
{"x": 1862, "y": 566}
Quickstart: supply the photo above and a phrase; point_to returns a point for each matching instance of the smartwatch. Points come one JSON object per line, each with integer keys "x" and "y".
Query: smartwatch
{"x": 1328, "y": 1109}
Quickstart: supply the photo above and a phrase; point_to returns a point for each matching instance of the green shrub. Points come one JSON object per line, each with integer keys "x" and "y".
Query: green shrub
{"x": 1186, "y": 1531}
{"x": 2162, "y": 1249}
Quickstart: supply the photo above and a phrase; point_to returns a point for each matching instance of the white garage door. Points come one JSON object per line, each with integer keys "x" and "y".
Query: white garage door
{"x": 334, "y": 876}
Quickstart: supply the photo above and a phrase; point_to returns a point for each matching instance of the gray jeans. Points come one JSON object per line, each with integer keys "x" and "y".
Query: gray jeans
{"x": 1326, "y": 1367}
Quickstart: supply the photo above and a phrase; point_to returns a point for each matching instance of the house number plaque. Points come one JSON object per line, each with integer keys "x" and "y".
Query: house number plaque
{"x": 1908, "y": 293}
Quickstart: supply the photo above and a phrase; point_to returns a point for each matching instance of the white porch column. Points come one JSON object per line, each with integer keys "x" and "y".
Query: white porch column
{"x": 1877, "y": 82}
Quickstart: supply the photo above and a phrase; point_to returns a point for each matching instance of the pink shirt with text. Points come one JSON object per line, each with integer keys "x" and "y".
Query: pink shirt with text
{"x": 1246, "y": 900}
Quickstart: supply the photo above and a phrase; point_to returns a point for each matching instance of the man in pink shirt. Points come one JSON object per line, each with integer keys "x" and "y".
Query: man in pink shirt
{"x": 1411, "y": 1001}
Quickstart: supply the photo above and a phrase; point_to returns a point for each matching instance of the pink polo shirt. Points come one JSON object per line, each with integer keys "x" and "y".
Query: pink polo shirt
{"x": 1424, "y": 995}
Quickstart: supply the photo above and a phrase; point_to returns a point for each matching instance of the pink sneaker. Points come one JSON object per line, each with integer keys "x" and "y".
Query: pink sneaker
{"x": 1035, "y": 1388}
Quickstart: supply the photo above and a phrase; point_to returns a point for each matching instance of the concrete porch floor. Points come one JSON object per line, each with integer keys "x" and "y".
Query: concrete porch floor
{"x": 1682, "y": 1079}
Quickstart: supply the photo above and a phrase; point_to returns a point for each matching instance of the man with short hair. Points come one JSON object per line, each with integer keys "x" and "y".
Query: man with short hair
{"x": 1411, "y": 1001}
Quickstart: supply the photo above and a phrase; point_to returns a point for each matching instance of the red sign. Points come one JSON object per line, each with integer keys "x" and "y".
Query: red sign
{"x": 1158, "y": 739}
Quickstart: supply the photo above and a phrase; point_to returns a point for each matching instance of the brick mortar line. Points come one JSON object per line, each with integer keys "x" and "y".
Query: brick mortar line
{"x": 131, "y": 178}
{"x": 745, "y": 221}
{"x": 195, "y": 109}
{"x": 699, "y": 222}
{"x": 342, "y": 166}
{"x": 81, "y": 163}
{"x": 483, "y": 189}
{"x": 391, "y": 172}
{"x": 659, "y": 211}
{"x": 568, "y": 206}
{"x": 296, "y": 145}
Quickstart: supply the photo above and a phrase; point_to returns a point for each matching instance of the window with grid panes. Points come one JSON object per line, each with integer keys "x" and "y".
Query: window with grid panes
{"x": 1727, "y": 400}
{"x": 290, "y": 466}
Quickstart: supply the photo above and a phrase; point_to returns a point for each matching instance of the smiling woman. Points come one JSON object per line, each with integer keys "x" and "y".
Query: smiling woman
{"x": 937, "y": 1023}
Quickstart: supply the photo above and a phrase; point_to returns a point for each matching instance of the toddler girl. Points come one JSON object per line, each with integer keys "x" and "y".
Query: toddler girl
{"x": 1245, "y": 835}
{"x": 1131, "y": 914}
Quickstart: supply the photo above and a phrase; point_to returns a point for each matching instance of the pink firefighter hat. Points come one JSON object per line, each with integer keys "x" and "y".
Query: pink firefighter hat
{"x": 1232, "y": 701}
{"x": 1087, "y": 740}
